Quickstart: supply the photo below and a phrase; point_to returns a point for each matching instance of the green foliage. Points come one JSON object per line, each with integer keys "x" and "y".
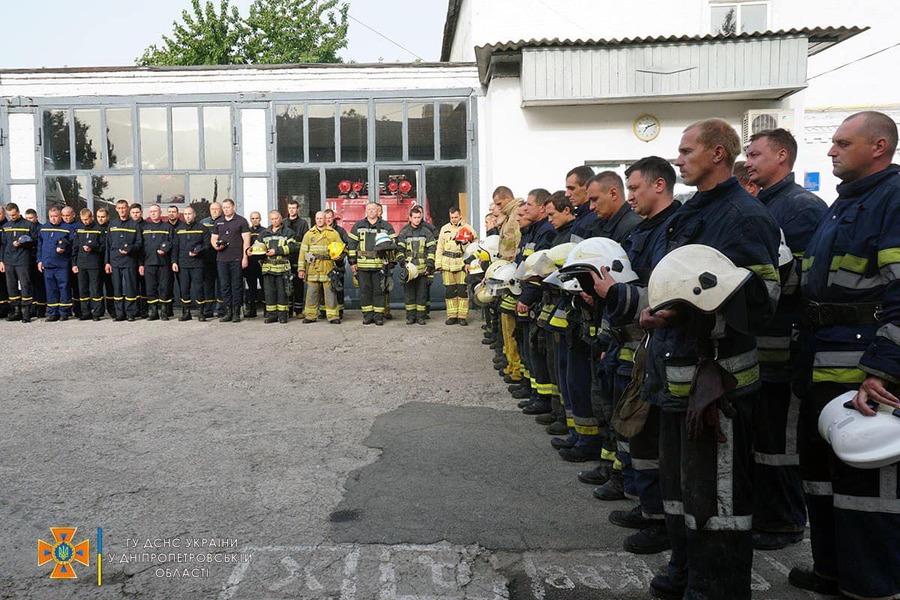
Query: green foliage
{"x": 275, "y": 32}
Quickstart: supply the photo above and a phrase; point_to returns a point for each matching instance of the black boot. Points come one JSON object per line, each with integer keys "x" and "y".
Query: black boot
{"x": 185, "y": 315}
{"x": 236, "y": 318}
{"x": 368, "y": 318}
{"x": 15, "y": 315}
{"x": 26, "y": 314}
{"x": 282, "y": 317}
{"x": 163, "y": 313}
{"x": 201, "y": 317}
{"x": 613, "y": 489}
{"x": 153, "y": 314}
{"x": 379, "y": 319}
{"x": 226, "y": 318}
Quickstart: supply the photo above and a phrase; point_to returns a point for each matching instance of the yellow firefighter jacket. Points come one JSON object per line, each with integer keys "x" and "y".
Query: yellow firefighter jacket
{"x": 314, "y": 257}
{"x": 449, "y": 254}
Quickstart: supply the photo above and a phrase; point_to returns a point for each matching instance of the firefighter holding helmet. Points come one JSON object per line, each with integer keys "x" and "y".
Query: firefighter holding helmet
{"x": 451, "y": 244}
{"x": 279, "y": 241}
{"x": 314, "y": 264}
{"x": 370, "y": 239}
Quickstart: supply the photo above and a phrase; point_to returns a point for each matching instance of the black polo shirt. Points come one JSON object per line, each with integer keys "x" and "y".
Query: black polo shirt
{"x": 230, "y": 231}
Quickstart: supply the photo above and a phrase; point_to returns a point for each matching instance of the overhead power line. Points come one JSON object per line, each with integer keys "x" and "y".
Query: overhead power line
{"x": 376, "y": 32}
{"x": 852, "y": 62}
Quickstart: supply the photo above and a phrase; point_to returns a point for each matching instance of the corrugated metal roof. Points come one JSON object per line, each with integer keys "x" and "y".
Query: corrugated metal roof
{"x": 820, "y": 38}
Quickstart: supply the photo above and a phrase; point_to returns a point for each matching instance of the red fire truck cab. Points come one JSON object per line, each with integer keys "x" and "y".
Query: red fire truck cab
{"x": 396, "y": 199}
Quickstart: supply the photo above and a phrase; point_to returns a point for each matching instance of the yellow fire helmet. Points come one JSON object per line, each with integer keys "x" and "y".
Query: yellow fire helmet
{"x": 257, "y": 248}
{"x": 336, "y": 250}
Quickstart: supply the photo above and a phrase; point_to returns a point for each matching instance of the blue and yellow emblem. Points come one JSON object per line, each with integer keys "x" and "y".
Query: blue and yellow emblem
{"x": 64, "y": 552}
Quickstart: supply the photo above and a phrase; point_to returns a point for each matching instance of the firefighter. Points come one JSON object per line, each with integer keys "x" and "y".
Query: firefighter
{"x": 191, "y": 240}
{"x": 576, "y": 191}
{"x": 136, "y": 212}
{"x": 18, "y": 237}
{"x": 156, "y": 263}
{"x": 253, "y": 272}
{"x": 650, "y": 184}
{"x": 451, "y": 243}
{"x": 314, "y": 265}
{"x": 850, "y": 341}
{"x": 743, "y": 177}
{"x": 709, "y": 519}
{"x": 54, "y": 258}
{"x": 88, "y": 253}
{"x": 367, "y": 262}
{"x": 173, "y": 218}
{"x": 39, "y": 304}
{"x": 417, "y": 248}
{"x": 4, "y": 294}
{"x": 212, "y": 302}
{"x": 779, "y": 513}
{"x": 276, "y": 267}
{"x": 387, "y": 282}
{"x": 109, "y": 305}
{"x": 340, "y": 268}
{"x": 231, "y": 240}
{"x": 537, "y": 235}
{"x": 123, "y": 249}
{"x": 509, "y": 244}
{"x": 299, "y": 226}
{"x": 70, "y": 221}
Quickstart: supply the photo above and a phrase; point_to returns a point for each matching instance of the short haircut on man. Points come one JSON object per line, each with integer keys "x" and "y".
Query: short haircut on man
{"x": 102, "y": 210}
{"x": 717, "y": 132}
{"x": 582, "y": 174}
{"x": 85, "y": 212}
{"x": 416, "y": 210}
{"x": 30, "y": 211}
{"x": 652, "y": 168}
{"x": 878, "y": 125}
{"x": 121, "y": 201}
{"x": 608, "y": 180}
{"x": 231, "y": 202}
{"x": 559, "y": 201}
{"x": 54, "y": 209}
{"x": 741, "y": 173}
{"x": 503, "y": 192}
{"x": 453, "y": 210}
{"x": 328, "y": 211}
{"x": 135, "y": 205}
{"x": 539, "y": 195}
{"x": 779, "y": 139}
{"x": 12, "y": 206}
{"x": 293, "y": 203}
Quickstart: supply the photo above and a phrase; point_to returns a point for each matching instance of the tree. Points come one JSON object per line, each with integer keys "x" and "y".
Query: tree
{"x": 205, "y": 38}
{"x": 297, "y": 31}
{"x": 276, "y": 31}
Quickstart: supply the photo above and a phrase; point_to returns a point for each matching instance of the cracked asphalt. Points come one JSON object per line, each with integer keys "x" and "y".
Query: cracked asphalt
{"x": 232, "y": 461}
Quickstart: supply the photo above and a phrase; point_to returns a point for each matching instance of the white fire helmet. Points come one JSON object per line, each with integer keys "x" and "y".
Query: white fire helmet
{"x": 493, "y": 284}
{"x": 698, "y": 275}
{"x": 784, "y": 252}
{"x": 480, "y": 295}
{"x": 590, "y": 256}
{"x": 860, "y": 441}
{"x": 553, "y": 280}
{"x": 409, "y": 272}
{"x": 506, "y": 275}
{"x": 491, "y": 245}
{"x": 559, "y": 254}
{"x": 538, "y": 265}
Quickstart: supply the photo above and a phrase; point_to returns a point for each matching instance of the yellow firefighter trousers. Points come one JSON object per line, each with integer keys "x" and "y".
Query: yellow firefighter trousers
{"x": 456, "y": 294}
{"x": 313, "y": 290}
{"x": 510, "y": 349}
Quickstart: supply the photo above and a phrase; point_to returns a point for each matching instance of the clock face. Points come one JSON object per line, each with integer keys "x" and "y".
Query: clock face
{"x": 646, "y": 128}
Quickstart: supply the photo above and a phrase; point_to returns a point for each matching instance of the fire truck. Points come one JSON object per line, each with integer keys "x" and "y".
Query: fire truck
{"x": 396, "y": 199}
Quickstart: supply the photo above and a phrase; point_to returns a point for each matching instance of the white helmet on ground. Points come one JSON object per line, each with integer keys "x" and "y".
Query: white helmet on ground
{"x": 860, "y": 441}
{"x": 698, "y": 275}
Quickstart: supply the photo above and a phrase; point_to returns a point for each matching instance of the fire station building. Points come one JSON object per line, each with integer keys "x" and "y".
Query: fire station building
{"x": 527, "y": 89}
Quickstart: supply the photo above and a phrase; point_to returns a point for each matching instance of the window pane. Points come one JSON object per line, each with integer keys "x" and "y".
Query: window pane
{"x": 354, "y": 133}
{"x": 388, "y": 131}
{"x": 754, "y": 17}
{"x": 186, "y": 138}
{"x": 109, "y": 188}
{"x": 302, "y": 187}
{"x": 453, "y": 130}
{"x": 395, "y": 203}
{"x": 421, "y": 131}
{"x": 446, "y": 187}
{"x": 87, "y": 139}
{"x": 65, "y": 191}
{"x": 206, "y": 189}
{"x": 159, "y": 189}
{"x": 321, "y": 132}
{"x": 350, "y": 207}
{"x": 119, "y": 151}
{"x": 154, "y": 138}
{"x": 57, "y": 156}
{"x": 217, "y": 150}
{"x": 289, "y": 130}
{"x": 723, "y": 19}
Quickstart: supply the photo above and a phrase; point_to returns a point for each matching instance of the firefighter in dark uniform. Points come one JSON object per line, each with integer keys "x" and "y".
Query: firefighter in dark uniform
{"x": 368, "y": 264}
{"x": 276, "y": 267}
{"x": 123, "y": 251}
{"x": 137, "y": 215}
{"x": 340, "y": 268}
{"x": 4, "y": 295}
{"x": 54, "y": 262}
{"x": 173, "y": 218}
{"x": 779, "y": 512}
{"x": 156, "y": 263}
{"x": 211, "y": 299}
{"x": 253, "y": 272}
{"x": 18, "y": 237}
{"x": 39, "y": 305}
{"x": 109, "y": 306}
{"x": 585, "y": 223}
{"x": 88, "y": 254}
{"x": 850, "y": 340}
{"x": 650, "y": 186}
{"x": 706, "y": 479}
{"x": 190, "y": 244}
{"x": 70, "y": 222}
{"x": 417, "y": 246}
{"x": 299, "y": 226}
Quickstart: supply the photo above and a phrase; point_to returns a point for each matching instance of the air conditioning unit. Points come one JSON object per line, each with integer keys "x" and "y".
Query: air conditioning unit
{"x": 761, "y": 120}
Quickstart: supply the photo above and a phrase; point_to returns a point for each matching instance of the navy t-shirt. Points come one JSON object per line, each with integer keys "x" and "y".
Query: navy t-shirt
{"x": 230, "y": 231}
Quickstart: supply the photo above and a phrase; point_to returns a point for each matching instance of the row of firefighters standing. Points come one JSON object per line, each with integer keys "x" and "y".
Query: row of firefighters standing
{"x": 692, "y": 348}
